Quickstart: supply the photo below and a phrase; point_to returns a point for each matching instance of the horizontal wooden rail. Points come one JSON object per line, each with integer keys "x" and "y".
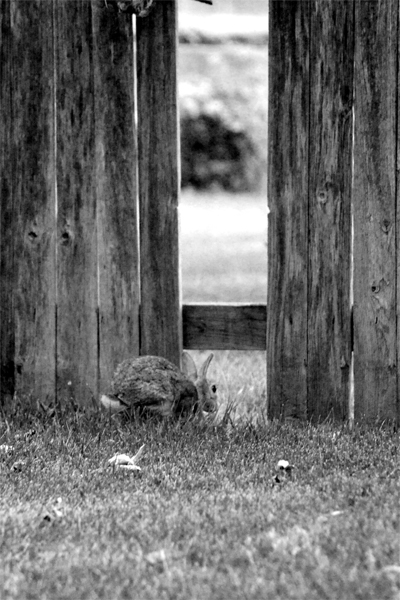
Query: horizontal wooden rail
{"x": 224, "y": 326}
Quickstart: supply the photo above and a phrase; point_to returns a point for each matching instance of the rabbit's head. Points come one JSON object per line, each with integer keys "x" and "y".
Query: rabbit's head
{"x": 207, "y": 392}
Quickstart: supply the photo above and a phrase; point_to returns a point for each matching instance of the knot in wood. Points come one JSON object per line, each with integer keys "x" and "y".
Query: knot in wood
{"x": 375, "y": 288}
{"x": 322, "y": 197}
{"x": 385, "y": 226}
{"x": 65, "y": 238}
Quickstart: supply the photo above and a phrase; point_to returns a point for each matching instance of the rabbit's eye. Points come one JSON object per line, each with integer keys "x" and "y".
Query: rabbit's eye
{"x": 213, "y": 389}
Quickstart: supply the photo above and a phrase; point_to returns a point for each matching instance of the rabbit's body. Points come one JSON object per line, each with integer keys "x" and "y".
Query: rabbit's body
{"x": 155, "y": 384}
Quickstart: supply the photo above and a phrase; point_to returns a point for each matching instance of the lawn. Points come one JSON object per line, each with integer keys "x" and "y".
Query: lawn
{"x": 223, "y": 247}
{"x": 204, "y": 518}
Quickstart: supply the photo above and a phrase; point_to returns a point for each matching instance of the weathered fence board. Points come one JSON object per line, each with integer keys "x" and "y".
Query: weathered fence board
{"x": 160, "y": 323}
{"x": 375, "y": 261}
{"x": 398, "y": 225}
{"x": 77, "y": 292}
{"x": 288, "y": 130}
{"x": 71, "y": 178}
{"x": 7, "y": 267}
{"x": 7, "y": 336}
{"x": 27, "y": 285}
{"x": 224, "y": 326}
{"x": 329, "y": 213}
{"x": 116, "y": 193}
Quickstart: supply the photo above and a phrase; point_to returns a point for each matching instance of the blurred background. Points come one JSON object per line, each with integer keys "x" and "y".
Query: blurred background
{"x": 223, "y": 91}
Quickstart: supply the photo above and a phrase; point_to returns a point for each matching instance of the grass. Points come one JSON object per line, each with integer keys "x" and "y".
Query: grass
{"x": 241, "y": 382}
{"x": 223, "y": 247}
{"x": 204, "y": 518}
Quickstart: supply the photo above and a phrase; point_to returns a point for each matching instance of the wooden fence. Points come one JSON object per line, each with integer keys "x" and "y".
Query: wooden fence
{"x": 334, "y": 233}
{"x": 89, "y": 160}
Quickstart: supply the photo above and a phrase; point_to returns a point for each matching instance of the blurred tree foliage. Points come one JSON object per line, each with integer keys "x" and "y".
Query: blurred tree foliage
{"x": 223, "y": 108}
{"x": 216, "y": 151}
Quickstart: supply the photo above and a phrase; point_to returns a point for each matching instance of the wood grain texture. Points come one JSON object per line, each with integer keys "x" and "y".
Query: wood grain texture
{"x": 329, "y": 216}
{"x": 27, "y": 277}
{"x": 159, "y": 180}
{"x": 376, "y": 84}
{"x": 398, "y": 226}
{"x": 224, "y": 326}
{"x": 116, "y": 188}
{"x": 288, "y": 201}
{"x": 7, "y": 268}
{"x": 77, "y": 293}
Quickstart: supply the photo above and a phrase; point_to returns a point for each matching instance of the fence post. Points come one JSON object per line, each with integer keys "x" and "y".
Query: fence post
{"x": 375, "y": 260}
{"x": 329, "y": 212}
{"x": 288, "y": 128}
{"x": 159, "y": 181}
{"x": 27, "y": 210}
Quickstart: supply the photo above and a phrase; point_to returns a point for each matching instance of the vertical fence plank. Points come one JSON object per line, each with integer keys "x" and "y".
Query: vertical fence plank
{"x": 77, "y": 294}
{"x": 116, "y": 158}
{"x": 374, "y": 209}
{"x": 7, "y": 267}
{"x": 331, "y": 100}
{"x": 398, "y": 217}
{"x": 161, "y": 330}
{"x": 27, "y": 277}
{"x": 288, "y": 199}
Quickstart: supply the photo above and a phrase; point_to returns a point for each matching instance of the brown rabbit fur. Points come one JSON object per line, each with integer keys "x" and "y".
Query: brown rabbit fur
{"x": 154, "y": 385}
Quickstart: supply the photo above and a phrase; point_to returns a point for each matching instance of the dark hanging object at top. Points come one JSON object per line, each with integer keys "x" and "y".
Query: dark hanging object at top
{"x": 140, "y": 8}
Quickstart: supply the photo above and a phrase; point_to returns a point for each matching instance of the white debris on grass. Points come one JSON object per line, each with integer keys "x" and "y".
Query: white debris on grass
{"x": 156, "y": 557}
{"x": 124, "y": 461}
{"x": 284, "y": 465}
{"x": 283, "y": 472}
{"x": 6, "y": 448}
{"x": 55, "y": 511}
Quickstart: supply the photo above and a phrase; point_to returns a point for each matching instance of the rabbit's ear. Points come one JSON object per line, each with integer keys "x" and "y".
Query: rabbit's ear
{"x": 204, "y": 367}
{"x": 188, "y": 366}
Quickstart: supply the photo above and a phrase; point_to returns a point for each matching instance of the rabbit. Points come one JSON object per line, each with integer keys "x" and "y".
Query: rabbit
{"x": 157, "y": 386}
